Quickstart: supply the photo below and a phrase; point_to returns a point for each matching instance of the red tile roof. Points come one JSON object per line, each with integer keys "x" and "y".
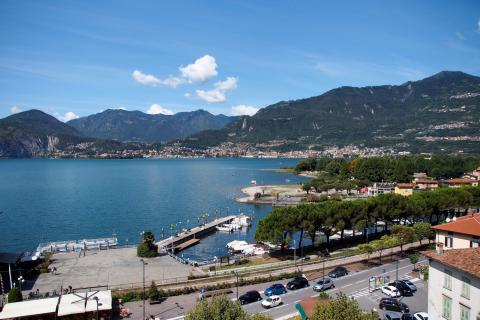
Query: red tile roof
{"x": 467, "y": 260}
{"x": 469, "y": 224}
{"x": 404, "y": 185}
{"x": 460, "y": 181}
{"x": 425, "y": 181}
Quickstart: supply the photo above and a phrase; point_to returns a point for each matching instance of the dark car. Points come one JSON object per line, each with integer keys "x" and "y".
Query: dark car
{"x": 275, "y": 289}
{"x": 249, "y": 297}
{"x": 338, "y": 272}
{"x": 397, "y": 316}
{"x": 297, "y": 283}
{"x": 391, "y": 304}
{"x": 402, "y": 287}
{"x": 410, "y": 285}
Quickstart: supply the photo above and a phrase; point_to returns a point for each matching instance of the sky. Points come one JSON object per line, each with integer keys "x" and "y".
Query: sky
{"x": 76, "y": 58}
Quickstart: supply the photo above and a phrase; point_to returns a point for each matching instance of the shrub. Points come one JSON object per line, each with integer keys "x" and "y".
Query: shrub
{"x": 14, "y": 295}
{"x": 146, "y": 251}
{"x": 153, "y": 293}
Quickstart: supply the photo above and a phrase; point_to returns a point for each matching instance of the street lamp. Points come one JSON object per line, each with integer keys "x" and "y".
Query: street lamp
{"x": 236, "y": 274}
{"x": 20, "y": 281}
{"x": 98, "y": 304}
{"x": 294, "y": 253}
{"x": 143, "y": 296}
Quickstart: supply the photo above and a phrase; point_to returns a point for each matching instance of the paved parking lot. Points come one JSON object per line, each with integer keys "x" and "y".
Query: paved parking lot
{"x": 369, "y": 300}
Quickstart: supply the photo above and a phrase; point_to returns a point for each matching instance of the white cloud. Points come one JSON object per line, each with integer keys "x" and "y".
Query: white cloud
{"x": 68, "y": 116}
{"x": 242, "y": 110}
{"x": 145, "y": 79}
{"x": 202, "y": 70}
{"x": 229, "y": 84}
{"x": 212, "y": 96}
{"x": 218, "y": 94}
{"x": 15, "y": 109}
{"x": 158, "y": 109}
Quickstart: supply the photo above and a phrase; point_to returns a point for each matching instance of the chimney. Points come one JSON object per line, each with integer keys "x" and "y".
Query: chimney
{"x": 439, "y": 248}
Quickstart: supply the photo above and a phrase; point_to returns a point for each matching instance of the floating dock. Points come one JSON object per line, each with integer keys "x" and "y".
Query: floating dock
{"x": 184, "y": 239}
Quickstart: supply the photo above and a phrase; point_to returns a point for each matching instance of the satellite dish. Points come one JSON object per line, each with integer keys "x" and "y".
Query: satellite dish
{"x": 454, "y": 219}
{"x": 448, "y": 220}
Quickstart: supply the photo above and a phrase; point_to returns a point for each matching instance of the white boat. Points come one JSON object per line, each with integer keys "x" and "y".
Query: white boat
{"x": 242, "y": 221}
{"x": 253, "y": 182}
{"x": 225, "y": 228}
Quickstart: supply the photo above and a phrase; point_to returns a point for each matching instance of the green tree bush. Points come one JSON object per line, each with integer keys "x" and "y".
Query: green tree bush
{"x": 340, "y": 308}
{"x": 14, "y": 295}
{"x": 153, "y": 293}
{"x": 147, "y": 248}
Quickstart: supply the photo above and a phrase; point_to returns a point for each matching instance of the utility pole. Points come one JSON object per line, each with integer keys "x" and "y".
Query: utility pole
{"x": 236, "y": 274}
{"x": 143, "y": 296}
{"x": 294, "y": 253}
{"x": 323, "y": 269}
{"x": 396, "y": 270}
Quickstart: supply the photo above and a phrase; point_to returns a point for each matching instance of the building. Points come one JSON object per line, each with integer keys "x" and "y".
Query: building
{"x": 454, "y": 284}
{"x": 381, "y": 188}
{"x": 462, "y": 182}
{"x": 459, "y": 233}
{"x": 425, "y": 184}
{"x": 84, "y": 305}
{"x": 404, "y": 189}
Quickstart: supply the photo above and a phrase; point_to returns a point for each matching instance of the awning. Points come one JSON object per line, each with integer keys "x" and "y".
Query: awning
{"x": 75, "y": 303}
{"x": 29, "y": 308}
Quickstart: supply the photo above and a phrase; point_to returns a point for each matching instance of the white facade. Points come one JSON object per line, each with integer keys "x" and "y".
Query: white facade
{"x": 452, "y": 293}
{"x": 454, "y": 240}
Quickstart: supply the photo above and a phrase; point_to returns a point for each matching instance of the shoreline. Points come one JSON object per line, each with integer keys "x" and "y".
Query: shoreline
{"x": 283, "y": 194}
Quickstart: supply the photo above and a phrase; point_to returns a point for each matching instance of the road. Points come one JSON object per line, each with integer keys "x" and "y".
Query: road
{"x": 354, "y": 285}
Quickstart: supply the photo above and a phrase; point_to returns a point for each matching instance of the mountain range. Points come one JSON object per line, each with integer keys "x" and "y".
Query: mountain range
{"x": 34, "y": 133}
{"x": 438, "y": 112}
{"x": 136, "y": 126}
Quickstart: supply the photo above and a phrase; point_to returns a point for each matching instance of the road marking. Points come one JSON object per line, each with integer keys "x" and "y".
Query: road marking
{"x": 347, "y": 285}
{"x": 288, "y": 316}
{"x": 177, "y": 318}
{"x": 359, "y": 281}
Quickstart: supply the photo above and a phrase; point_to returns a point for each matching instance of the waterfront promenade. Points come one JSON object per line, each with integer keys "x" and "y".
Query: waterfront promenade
{"x": 116, "y": 268}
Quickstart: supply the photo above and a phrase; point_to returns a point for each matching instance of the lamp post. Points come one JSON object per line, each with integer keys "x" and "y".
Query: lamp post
{"x": 98, "y": 304}
{"x": 143, "y": 296}
{"x": 294, "y": 253}
{"x": 236, "y": 274}
{"x": 20, "y": 281}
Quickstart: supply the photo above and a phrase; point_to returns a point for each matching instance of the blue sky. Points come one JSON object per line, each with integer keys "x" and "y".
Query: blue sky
{"x": 75, "y": 58}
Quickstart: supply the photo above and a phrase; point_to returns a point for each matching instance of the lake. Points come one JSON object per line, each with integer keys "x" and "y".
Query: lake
{"x": 54, "y": 200}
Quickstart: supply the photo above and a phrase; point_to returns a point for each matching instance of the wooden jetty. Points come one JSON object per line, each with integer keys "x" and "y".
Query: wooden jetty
{"x": 183, "y": 239}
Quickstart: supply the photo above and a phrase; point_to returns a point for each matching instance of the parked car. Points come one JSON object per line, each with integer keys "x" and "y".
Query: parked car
{"x": 410, "y": 284}
{"x": 390, "y": 291}
{"x": 275, "y": 289}
{"x": 249, "y": 297}
{"x": 391, "y": 304}
{"x": 324, "y": 284}
{"x": 421, "y": 316}
{"x": 271, "y": 302}
{"x": 397, "y": 316}
{"x": 297, "y": 283}
{"x": 338, "y": 272}
{"x": 402, "y": 287}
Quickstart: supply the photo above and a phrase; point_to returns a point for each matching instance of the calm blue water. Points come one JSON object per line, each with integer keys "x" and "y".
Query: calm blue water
{"x": 52, "y": 200}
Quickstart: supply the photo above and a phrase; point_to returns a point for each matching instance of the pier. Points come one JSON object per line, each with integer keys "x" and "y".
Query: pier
{"x": 191, "y": 237}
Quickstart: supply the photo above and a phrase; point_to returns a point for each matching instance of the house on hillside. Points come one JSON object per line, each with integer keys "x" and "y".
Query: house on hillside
{"x": 404, "y": 189}
{"x": 454, "y": 284}
{"x": 462, "y": 182}
{"x": 425, "y": 184}
{"x": 459, "y": 233}
{"x": 381, "y": 188}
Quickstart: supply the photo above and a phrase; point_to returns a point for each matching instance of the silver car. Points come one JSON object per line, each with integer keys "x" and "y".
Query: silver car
{"x": 324, "y": 284}
{"x": 410, "y": 285}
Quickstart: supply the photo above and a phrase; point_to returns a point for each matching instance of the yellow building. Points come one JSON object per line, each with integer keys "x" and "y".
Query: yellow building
{"x": 404, "y": 189}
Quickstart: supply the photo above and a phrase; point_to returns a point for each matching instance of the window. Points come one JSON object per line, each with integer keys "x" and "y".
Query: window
{"x": 474, "y": 242}
{"x": 447, "y": 280}
{"x": 448, "y": 241}
{"x": 464, "y": 312}
{"x": 447, "y": 308}
{"x": 466, "y": 288}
